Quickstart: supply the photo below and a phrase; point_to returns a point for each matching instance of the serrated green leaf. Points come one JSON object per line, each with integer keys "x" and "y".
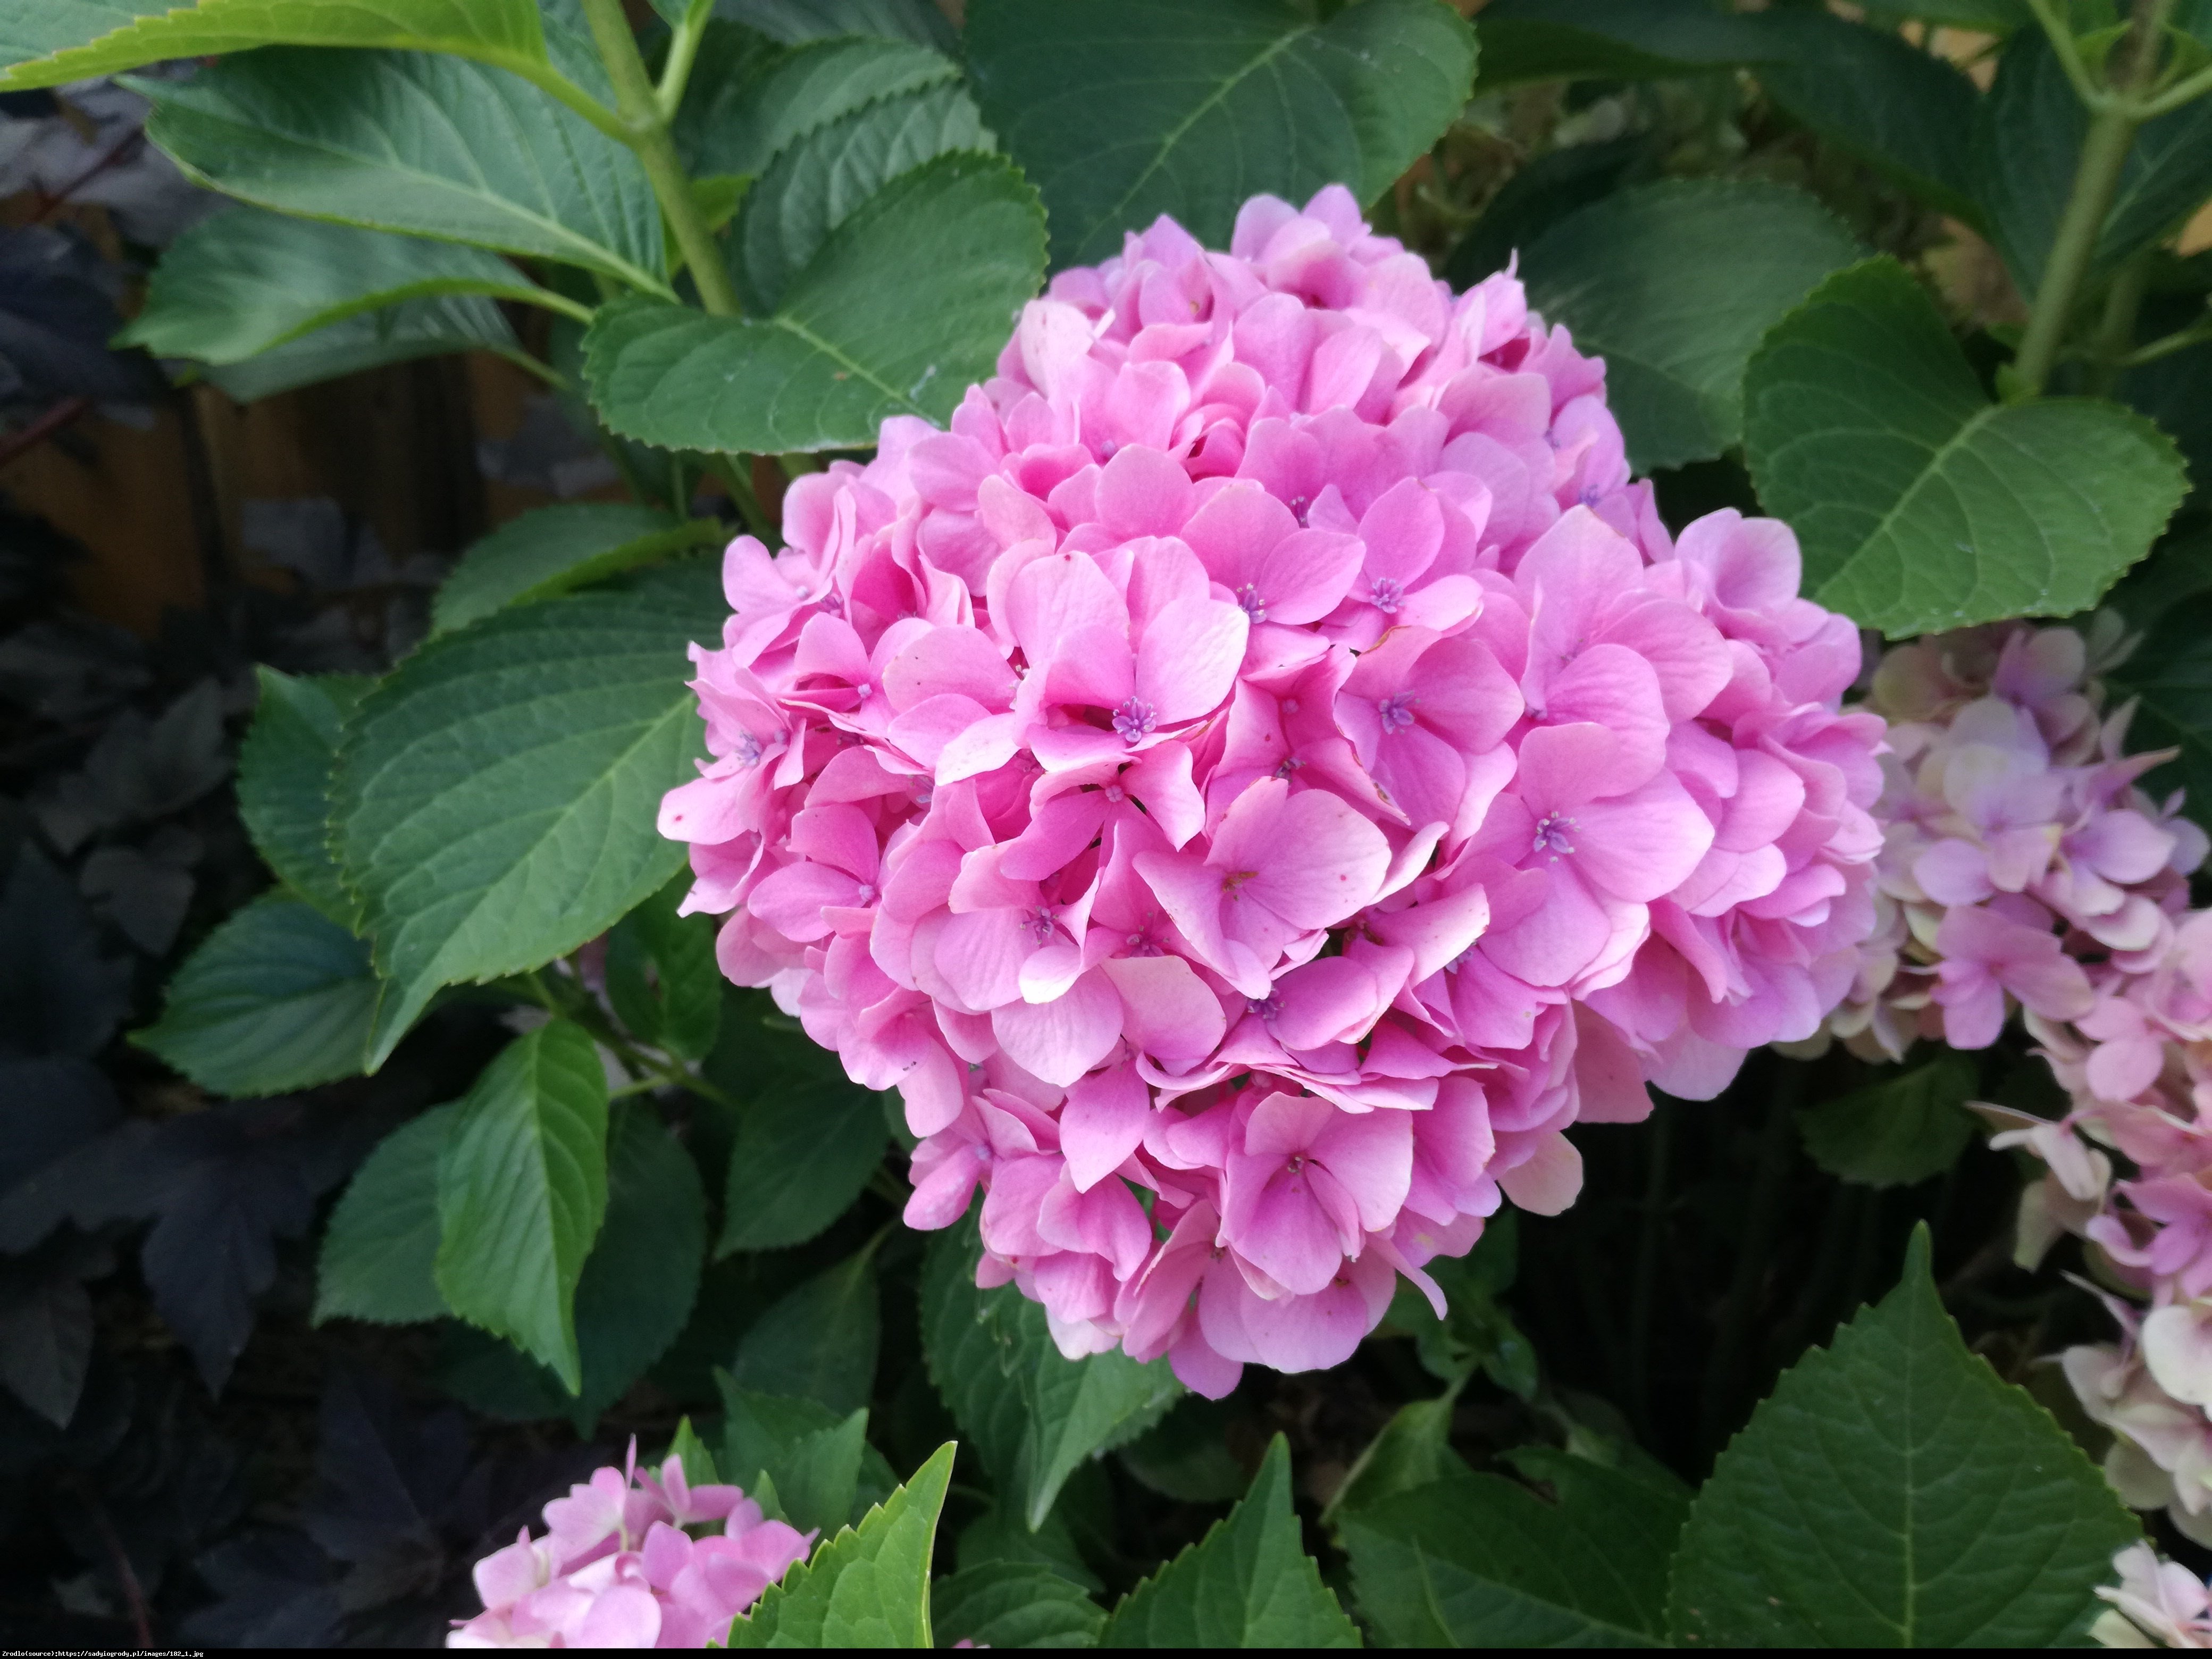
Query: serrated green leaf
{"x": 866, "y": 1587}
{"x": 1032, "y": 1414}
{"x": 285, "y": 768}
{"x": 662, "y": 978}
{"x": 236, "y": 284}
{"x": 756, "y": 101}
{"x": 1123, "y": 110}
{"x": 1001, "y": 1535}
{"x": 805, "y": 1147}
{"x": 1246, "y": 1584}
{"x": 637, "y": 1289}
{"x": 1894, "y": 1493}
{"x": 823, "y": 178}
{"x": 429, "y": 145}
{"x": 522, "y": 1189}
{"x": 1905, "y": 111}
{"x": 1902, "y": 1129}
{"x": 77, "y": 41}
{"x": 1479, "y": 1560}
{"x": 818, "y": 1465}
{"x": 819, "y": 1342}
{"x": 2027, "y": 144}
{"x": 497, "y": 792}
{"x": 552, "y": 550}
{"x": 379, "y": 1255}
{"x": 1009, "y": 1604}
{"x": 1919, "y": 504}
{"x": 279, "y": 997}
{"x": 1674, "y": 284}
{"x": 907, "y": 301}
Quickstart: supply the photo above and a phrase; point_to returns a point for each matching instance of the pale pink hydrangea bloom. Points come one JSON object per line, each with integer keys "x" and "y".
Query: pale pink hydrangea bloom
{"x": 627, "y": 1562}
{"x": 1267, "y": 757}
{"x": 2016, "y": 846}
{"x": 2155, "y": 1604}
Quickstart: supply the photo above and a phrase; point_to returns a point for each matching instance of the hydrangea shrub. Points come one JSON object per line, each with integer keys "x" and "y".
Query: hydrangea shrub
{"x": 1210, "y": 779}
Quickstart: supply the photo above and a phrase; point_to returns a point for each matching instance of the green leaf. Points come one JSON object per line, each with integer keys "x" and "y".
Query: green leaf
{"x": 1413, "y": 1449}
{"x": 1011, "y": 1604}
{"x": 1123, "y": 110}
{"x": 1614, "y": 40}
{"x": 794, "y": 20}
{"x": 552, "y": 549}
{"x": 806, "y": 1144}
{"x": 497, "y": 792}
{"x": 1536, "y": 197}
{"x": 279, "y": 997}
{"x": 236, "y": 284}
{"x": 522, "y": 1189}
{"x": 1033, "y": 1415}
{"x": 398, "y": 334}
{"x": 1919, "y": 504}
{"x": 817, "y": 1463}
{"x": 1186, "y": 1455}
{"x": 756, "y": 102}
{"x": 78, "y": 41}
{"x": 662, "y": 977}
{"x": 1894, "y": 1493}
{"x": 866, "y": 1587}
{"x": 907, "y": 302}
{"x": 1906, "y": 113}
{"x": 826, "y": 176}
{"x": 2028, "y": 141}
{"x": 1246, "y": 1584}
{"x": 2170, "y": 677}
{"x": 637, "y": 1289}
{"x": 819, "y": 1342}
{"x": 699, "y": 1470}
{"x": 284, "y": 775}
{"x": 1899, "y": 1131}
{"x": 433, "y": 146}
{"x": 1673, "y": 283}
{"x": 1001, "y": 1535}
{"x": 1478, "y": 1560}
{"x": 379, "y": 1255}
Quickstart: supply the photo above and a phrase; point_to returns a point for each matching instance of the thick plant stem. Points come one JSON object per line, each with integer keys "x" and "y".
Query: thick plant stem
{"x": 644, "y": 128}
{"x": 2096, "y": 181}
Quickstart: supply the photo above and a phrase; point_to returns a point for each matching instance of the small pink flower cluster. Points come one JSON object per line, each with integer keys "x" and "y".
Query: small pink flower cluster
{"x": 2022, "y": 862}
{"x": 620, "y": 1567}
{"x": 1267, "y": 757}
{"x": 2016, "y": 845}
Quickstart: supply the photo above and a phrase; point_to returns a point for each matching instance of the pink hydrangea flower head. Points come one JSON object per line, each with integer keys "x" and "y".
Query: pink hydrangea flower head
{"x": 628, "y": 1560}
{"x": 1267, "y": 757}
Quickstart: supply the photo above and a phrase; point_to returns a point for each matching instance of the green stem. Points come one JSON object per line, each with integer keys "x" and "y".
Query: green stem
{"x": 2165, "y": 345}
{"x": 682, "y": 52}
{"x": 2061, "y": 33}
{"x": 2096, "y": 181}
{"x": 2115, "y": 333}
{"x": 2180, "y": 93}
{"x": 645, "y": 130}
{"x": 2114, "y": 120}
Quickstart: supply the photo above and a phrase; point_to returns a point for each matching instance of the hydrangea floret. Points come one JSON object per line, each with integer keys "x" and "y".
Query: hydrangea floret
{"x": 1264, "y": 773}
{"x": 631, "y": 1558}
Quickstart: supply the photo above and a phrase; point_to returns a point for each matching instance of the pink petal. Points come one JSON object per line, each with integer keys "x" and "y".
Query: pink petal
{"x": 1102, "y": 1123}
{"x": 1550, "y": 1179}
{"x": 1188, "y": 658}
{"x": 1167, "y": 1011}
{"x": 1144, "y": 492}
{"x": 1057, "y": 1041}
{"x": 1638, "y": 847}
